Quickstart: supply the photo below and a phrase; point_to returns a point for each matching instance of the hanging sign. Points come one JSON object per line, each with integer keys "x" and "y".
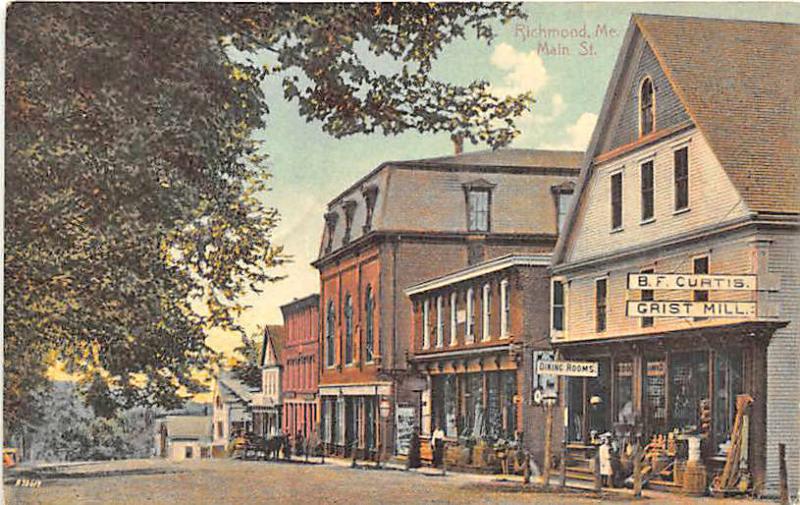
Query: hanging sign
{"x": 700, "y": 282}
{"x": 691, "y": 309}
{"x": 568, "y": 368}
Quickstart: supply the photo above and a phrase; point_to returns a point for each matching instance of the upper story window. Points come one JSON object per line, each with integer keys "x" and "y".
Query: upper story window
{"x": 426, "y": 329}
{"x": 616, "y": 201}
{"x": 369, "y": 311}
{"x": 647, "y": 107}
{"x": 469, "y": 332}
{"x": 330, "y": 228}
{"x": 478, "y": 210}
{"x": 600, "y": 304}
{"x": 558, "y": 306}
{"x": 348, "y": 329}
{"x": 349, "y": 211}
{"x": 370, "y": 196}
{"x": 479, "y": 201}
{"x": 563, "y": 196}
{"x": 439, "y": 321}
{"x": 648, "y": 191}
{"x": 330, "y": 332}
{"x": 681, "y": 170}
{"x": 453, "y": 318}
{"x": 486, "y": 316}
{"x": 505, "y": 311}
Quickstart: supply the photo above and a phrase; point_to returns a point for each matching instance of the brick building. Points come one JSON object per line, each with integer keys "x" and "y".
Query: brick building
{"x": 300, "y": 359}
{"x": 403, "y": 223}
{"x": 692, "y": 169}
{"x": 476, "y": 334}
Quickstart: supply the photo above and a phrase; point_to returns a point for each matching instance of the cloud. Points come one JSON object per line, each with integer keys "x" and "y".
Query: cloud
{"x": 525, "y": 71}
{"x": 577, "y": 135}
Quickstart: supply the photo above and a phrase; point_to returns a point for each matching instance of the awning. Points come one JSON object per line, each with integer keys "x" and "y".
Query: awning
{"x": 742, "y": 332}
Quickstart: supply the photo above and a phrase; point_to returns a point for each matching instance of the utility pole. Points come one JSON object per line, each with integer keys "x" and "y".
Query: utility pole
{"x": 548, "y": 441}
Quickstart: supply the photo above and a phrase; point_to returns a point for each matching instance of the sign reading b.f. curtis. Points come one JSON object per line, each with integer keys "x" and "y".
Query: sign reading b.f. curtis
{"x": 700, "y": 282}
{"x": 691, "y": 309}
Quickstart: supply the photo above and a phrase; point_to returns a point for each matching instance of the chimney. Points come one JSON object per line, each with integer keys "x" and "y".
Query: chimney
{"x": 458, "y": 144}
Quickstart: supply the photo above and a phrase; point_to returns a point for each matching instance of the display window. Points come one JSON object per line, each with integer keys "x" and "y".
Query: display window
{"x": 655, "y": 394}
{"x": 688, "y": 372}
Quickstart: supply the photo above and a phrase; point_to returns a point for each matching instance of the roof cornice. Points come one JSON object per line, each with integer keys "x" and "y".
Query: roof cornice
{"x": 376, "y": 236}
{"x": 480, "y": 269}
{"x": 784, "y": 221}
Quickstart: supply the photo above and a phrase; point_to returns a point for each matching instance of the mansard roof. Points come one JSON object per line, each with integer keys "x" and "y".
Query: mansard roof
{"x": 427, "y": 195}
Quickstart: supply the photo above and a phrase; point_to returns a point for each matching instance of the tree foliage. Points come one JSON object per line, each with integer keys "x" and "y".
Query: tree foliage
{"x": 69, "y": 431}
{"x": 246, "y": 368}
{"x": 135, "y": 214}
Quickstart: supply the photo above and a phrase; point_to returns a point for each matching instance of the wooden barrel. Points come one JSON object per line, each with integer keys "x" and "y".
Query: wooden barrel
{"x": 694, "y": 479}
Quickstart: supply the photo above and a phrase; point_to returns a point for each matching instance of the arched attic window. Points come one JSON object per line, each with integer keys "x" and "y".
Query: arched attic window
{"x": 647, "y": 107}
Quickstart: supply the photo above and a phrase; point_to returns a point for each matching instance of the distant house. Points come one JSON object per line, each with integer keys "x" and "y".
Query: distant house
{"x": 266, "y": 404}
{"x": 183, "y": 437}
{"x": 231, "y": 409}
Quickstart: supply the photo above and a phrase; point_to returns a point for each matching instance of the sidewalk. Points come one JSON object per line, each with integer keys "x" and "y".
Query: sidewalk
{"x": 516, "y": 482}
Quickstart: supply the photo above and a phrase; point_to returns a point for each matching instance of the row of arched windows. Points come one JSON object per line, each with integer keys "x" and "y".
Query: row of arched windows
{"x": 349, "y": 325}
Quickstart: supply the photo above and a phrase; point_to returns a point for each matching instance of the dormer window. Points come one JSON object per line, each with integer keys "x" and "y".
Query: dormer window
{"x": 479, "y": 202}
{"x": 647, "y": 110}
{"x": 563, "y": 195}
{"x": 349, "y": 211}
{"x": 330, "y": 226}
{"x": 370, "y": 196}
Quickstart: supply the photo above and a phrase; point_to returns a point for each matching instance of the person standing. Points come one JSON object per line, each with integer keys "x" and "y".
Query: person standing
{"x": 437, "y": 446}
{"x": 606, "y": 469}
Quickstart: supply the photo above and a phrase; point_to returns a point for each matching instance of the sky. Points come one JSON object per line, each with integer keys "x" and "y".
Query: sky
{"x": 310, "y": 168}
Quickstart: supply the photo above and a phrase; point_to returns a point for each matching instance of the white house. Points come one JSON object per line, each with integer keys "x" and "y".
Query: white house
{"x": 231, "y": 410}
{"x": 184, "y": 437}
{"x": 266, "y": 404}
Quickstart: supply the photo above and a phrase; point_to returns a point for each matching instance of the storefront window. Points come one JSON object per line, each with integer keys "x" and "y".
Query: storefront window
{"x": 494, "y": 413}
{"x": 369, "y": 422}
{"x": 728, "y": 384}
{"x": 510, "y": 408}
{"x": 450, "y": 406}
{"x": 655, "y": 399}
{"x": 473, "y": 425}
{"x": 688, "y": 374}
{"x": 623, "y": 393}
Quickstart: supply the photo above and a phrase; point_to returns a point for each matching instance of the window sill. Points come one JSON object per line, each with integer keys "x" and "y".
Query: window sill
{"x": 681, "y": 211}
{"x": 617, "y": 230}
{"x": 647, "y": 221}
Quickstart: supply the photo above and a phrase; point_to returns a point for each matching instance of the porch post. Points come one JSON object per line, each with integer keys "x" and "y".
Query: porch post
{"x": 758, "y": 417}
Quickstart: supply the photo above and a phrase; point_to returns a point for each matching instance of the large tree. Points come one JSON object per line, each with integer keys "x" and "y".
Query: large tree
{"x": 134, "y": 189}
